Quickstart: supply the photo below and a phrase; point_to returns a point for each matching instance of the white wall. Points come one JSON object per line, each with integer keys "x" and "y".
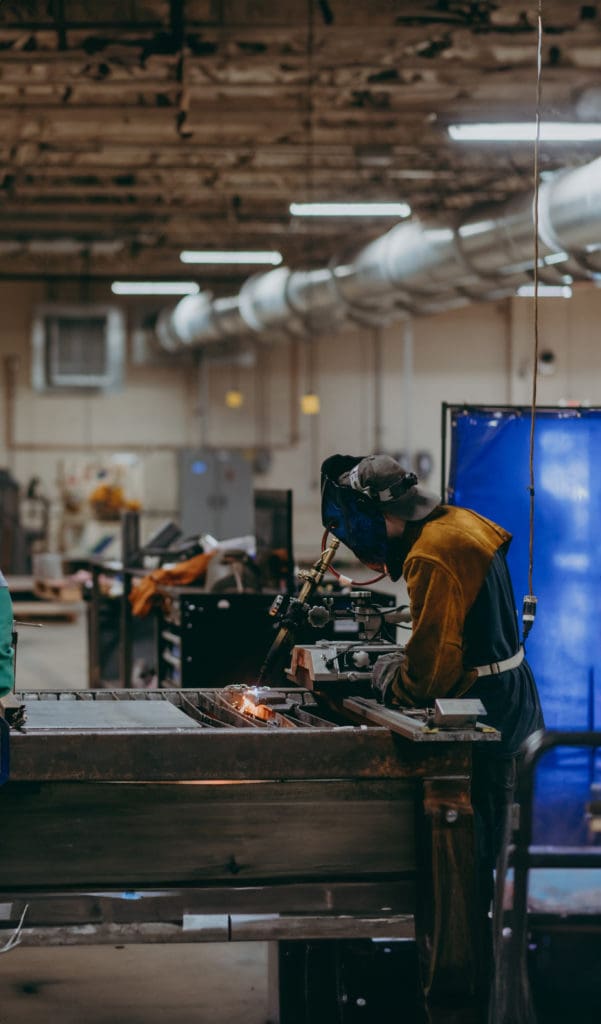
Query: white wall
{"x": 73, "y": 436}
{"x": 479, "y": 354}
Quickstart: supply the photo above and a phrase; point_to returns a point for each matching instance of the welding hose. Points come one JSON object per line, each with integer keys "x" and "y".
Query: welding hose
{"x": 339, "y": 576}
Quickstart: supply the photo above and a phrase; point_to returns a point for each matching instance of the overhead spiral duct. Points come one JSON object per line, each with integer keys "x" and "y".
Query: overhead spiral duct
{"x": 414, "y": 268}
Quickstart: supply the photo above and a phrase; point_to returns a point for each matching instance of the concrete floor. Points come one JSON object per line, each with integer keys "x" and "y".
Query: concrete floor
{"x": 181, "y": 984}
{"x": 53, "y": 656}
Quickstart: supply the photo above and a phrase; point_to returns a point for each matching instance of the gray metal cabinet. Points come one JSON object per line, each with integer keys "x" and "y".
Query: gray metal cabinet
{"x": 215, "y": 493}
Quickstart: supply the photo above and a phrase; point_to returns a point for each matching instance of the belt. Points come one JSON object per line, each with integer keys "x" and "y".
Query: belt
{"x": 500, "y": 666}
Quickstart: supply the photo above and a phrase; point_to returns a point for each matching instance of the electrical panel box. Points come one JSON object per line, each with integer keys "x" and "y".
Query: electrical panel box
{"x": 215, "y": 493}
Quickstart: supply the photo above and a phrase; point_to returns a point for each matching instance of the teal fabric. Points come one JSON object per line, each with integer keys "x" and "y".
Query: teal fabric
{"x": 6, "y": 649}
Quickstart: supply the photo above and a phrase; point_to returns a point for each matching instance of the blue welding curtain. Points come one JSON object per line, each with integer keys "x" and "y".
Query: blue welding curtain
{"x": 489, "y": 472}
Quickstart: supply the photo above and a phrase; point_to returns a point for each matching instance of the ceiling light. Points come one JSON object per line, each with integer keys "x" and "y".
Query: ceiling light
{"x": 214, "y": 256}
{"x": 154, "y": 288}
{"x": 310, "y": 404}
{"x": 546, "y": 291}
{"x": 555, "y": 257}
{"x": 234, "y": 399}
{"x": 525, "y": 131}
{"x": 350, "y": 209}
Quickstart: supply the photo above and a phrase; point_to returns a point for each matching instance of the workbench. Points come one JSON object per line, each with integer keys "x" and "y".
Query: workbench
{"x": 172, "y": 816}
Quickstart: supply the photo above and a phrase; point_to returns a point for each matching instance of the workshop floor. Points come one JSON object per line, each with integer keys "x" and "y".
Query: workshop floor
{"x": 182, "y": 984}
{"x": 53, "y": 656}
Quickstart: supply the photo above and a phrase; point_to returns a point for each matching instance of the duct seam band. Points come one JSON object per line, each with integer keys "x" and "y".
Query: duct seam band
{"x": 373, "y": 316}
{"x": 304, "y": 316}
{"x": 545, "y": 225}
{"x": 550, "y": 239}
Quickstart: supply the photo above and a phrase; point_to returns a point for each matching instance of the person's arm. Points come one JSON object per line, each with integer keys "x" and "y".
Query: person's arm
{"x": 433, "y": 661}
{"x": 7, "y": 678}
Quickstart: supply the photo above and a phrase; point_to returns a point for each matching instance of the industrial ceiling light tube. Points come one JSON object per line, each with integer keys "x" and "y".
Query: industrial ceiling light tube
{"x": 549, "y": 291}
{"x": 216, "y": 257}
{"x": 350, "y": 209}
{"x": 155, "y": 288}
{"x": 525, "y": 131}
{"x": 418, "y": 267}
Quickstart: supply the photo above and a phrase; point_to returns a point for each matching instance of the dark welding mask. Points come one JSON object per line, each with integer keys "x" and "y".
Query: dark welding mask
{"x": 351, "y": 516}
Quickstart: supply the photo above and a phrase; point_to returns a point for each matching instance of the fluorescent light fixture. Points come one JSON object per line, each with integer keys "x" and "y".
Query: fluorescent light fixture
{"x": 350, "y": 209}
{"x": 555, "y": 257}
{"x": 525, "y": 131}
{"x": 546, "y": 291}
{"x": 223, "y": 256}
{"x": 155, "y": 288}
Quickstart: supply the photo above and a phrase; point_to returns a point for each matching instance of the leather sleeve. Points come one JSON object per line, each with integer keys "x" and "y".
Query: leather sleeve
{"x": 434, "y": 653}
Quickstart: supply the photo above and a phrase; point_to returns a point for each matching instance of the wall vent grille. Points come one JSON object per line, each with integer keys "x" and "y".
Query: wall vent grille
{"x": 78, "y": 347}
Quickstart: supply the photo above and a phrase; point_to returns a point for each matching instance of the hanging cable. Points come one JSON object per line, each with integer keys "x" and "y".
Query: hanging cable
{"x": 510, "y": 992}
{"x": 530, "y": 600}
{"x": 310, "y": 404}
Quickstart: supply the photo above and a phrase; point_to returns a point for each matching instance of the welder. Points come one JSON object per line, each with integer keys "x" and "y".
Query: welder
{"x": 465, "y": 637}
{"x": 6, "y": 635}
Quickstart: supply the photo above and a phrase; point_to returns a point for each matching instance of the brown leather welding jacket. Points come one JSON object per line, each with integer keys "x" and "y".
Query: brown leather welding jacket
{"x": 445, "y": 559}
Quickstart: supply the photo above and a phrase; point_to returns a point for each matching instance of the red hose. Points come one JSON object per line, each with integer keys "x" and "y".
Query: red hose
{"x": 338, "y": 575}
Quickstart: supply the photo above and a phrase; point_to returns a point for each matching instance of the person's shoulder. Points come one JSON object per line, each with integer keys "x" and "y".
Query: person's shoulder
{"x": 452, "y": 517}
{"x": 453, "y": 528}
{"x": 473, "y": 520}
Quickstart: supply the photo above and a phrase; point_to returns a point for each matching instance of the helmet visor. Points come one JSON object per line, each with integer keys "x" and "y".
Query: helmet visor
{"x": 352, "y": 517}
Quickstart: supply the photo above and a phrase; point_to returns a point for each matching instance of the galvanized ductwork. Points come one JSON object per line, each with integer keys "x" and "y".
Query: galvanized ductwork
{"x": 414, "y": 268}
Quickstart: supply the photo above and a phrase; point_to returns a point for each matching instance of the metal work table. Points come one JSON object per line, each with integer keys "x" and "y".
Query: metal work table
{"x": 148, "y": 816}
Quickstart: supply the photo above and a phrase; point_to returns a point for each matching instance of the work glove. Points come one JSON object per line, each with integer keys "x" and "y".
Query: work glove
{"x": 385, "y": 672}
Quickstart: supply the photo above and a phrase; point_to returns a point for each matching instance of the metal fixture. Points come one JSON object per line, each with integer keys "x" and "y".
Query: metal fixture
{"x": 414, "y": 268}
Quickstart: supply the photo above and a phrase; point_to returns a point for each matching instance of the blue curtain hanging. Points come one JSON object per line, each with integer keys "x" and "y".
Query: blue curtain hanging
{"x": 489, "y": 472}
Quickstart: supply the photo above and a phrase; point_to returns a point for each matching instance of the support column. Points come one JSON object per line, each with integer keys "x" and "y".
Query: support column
{"x": 451, "y": 920}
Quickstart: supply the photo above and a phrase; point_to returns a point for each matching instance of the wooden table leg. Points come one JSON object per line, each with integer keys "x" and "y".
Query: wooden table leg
{"x": 451, "y": 919}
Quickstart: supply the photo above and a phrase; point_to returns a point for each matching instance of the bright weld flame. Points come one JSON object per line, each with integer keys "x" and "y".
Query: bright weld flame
{"x": 247, "y": 707}
{"x": 260, "y": 711}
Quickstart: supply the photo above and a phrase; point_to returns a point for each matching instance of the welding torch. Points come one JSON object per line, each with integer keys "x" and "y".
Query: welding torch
{"x": 297, "y": 608}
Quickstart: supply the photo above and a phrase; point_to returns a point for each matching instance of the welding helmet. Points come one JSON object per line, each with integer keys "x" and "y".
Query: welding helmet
{"x": 356, "y": 493}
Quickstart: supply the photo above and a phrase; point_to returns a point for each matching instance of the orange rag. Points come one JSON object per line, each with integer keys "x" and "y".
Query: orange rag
{"x": 144, "y": 592}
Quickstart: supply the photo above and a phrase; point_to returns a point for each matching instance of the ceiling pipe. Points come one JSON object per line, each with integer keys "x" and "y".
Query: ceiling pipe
{"x": 414, "y": 268}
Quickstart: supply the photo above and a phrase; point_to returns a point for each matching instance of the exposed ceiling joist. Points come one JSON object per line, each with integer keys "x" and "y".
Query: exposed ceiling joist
{"x": 157, "y": 123}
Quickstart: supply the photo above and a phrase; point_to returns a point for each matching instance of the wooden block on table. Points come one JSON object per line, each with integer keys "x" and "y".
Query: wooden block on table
{"x": 57, "y": 590}
{"x": 46, "y": 610}
{"x": 20, "y": 584}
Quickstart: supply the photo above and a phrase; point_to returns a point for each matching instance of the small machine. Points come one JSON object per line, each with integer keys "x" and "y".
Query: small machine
{"x": 329, "y": 660}
{"x": 316, "y": 666}
{"x": 337, "y": 673}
